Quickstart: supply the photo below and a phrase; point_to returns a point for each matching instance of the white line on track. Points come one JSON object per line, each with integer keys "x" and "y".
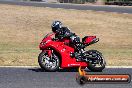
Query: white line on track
{"x": 20, "y": 66}
{"x": 39, "y": 67}
{"x": 118, "y": 66}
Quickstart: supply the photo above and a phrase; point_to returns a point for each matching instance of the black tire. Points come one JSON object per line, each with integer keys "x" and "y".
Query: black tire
{"x": 41, "y": 59}
{"x": 92, "y": 67}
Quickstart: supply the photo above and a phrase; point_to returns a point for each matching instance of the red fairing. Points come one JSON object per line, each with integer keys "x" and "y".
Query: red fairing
{"x": 63, "y": 49}
{"x": 88, "y": 39}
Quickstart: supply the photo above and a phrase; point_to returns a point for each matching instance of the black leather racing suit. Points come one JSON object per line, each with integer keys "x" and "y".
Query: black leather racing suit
{"x": 64, "y": 32}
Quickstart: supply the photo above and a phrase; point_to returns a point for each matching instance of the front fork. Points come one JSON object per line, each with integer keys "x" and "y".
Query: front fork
{"x": 49, "y": 52}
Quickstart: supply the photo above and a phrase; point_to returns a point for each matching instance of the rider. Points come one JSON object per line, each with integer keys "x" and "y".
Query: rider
{"x": 64, "y": 32}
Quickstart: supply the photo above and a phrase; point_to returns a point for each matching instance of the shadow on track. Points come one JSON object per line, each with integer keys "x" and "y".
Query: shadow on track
{"x": 60, "y": 70}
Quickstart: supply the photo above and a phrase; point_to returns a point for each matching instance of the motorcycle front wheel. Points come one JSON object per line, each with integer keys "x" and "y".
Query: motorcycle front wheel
{"x": 47, "y": 63}
{"x": 99, "y": 64}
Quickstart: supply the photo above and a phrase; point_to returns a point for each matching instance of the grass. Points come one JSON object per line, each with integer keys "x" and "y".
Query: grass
{"x": 22, "y": 28}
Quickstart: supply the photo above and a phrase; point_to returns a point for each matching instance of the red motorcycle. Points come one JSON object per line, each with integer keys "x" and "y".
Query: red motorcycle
{"x": 60, "y": 54}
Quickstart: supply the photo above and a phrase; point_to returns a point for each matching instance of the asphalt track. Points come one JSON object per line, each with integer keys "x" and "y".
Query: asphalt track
{"x": 117, "y": 9}
{"x": 36, "y": 78}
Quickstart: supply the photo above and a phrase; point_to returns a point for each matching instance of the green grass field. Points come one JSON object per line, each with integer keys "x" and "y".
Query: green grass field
{"x": 22, "y": 29}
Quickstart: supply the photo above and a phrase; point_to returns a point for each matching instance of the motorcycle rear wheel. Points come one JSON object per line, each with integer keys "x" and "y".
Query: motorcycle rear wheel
{"x": 97, "y": 67}
{"x": 46, "y": 63}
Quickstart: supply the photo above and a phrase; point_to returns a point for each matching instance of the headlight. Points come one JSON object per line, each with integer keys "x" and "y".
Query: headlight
{"x": 43, "y": 43}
